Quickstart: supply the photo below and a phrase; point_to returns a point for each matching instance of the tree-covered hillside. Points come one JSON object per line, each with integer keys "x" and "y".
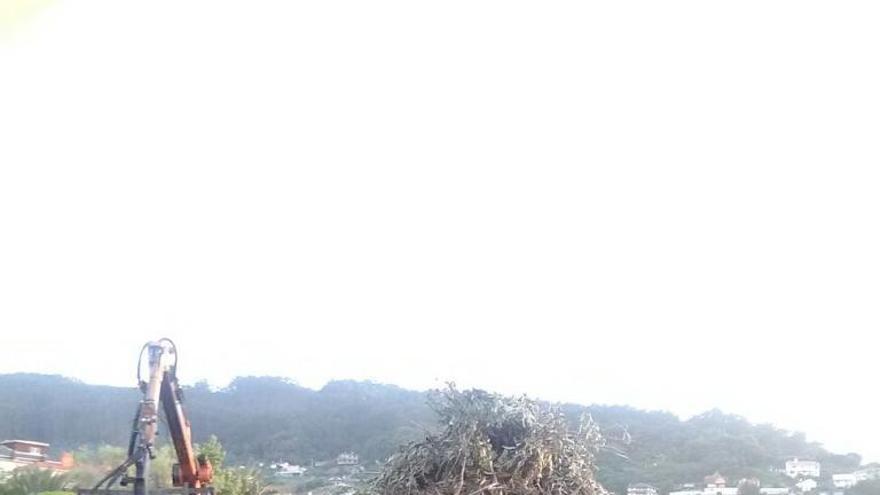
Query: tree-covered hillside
{"x": 658, "y": 448}
{"x": 268, "y": 419}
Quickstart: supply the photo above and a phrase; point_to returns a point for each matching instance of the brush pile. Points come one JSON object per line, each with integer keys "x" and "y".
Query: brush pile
{"x": 495, "y": 445}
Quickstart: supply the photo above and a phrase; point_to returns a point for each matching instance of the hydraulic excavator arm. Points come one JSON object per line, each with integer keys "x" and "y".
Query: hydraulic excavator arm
{"x": 160, "y": 386}
{"x": 190, "y": 470}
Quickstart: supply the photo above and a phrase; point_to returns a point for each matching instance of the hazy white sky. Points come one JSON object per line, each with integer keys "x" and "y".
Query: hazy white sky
{"x": 671, "y": 205}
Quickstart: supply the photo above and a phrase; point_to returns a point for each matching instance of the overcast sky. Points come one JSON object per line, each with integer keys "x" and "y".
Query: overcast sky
{"x": 672, "y": 205}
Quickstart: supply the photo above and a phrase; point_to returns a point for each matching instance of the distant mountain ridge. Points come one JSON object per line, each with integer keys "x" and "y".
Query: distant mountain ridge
{"x": 269, "y": 419}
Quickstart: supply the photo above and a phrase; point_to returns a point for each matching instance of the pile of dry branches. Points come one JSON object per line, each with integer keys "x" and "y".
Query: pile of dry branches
{"x": 494, "y": 445}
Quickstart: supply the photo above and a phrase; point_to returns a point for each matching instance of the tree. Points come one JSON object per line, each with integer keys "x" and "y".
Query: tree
{"x": 230, "y": 481}
{"x": 213, "y": 450}
{"x": 748, "y": 487}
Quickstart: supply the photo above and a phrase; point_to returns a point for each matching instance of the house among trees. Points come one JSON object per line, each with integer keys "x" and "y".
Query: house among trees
{"x": 849, "y": 480}
{"x": 715, "y": 484}
{"x": 846, "y": 480}
{"x": 347, "y": 459}
{"x": 285, "y": 470}
{"x": 715, "y": 480}
{"x": 640, "y": 489}
{"x": 20, "y": 453}
{"x": 868, "y": 473}
{"x": 795, "y": 468}
{"x": 775, "y": 491}
{"x": 807, "y": 485}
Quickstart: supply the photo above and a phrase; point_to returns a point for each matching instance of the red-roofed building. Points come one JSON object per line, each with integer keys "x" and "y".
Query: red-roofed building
{"x": 715, "y": 480}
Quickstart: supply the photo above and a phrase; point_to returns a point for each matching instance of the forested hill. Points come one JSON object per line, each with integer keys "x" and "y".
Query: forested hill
{"x": 266, "y": 419}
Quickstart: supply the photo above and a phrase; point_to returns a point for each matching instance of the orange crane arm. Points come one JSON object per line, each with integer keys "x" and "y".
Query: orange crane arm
{"x": 190, "y": 471}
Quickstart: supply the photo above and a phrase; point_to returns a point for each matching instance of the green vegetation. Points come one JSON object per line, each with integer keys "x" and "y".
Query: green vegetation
{"x": 248, "y": 481}
{"x": 662, "y": 450}
{"x": 270, "y": 419}
{"x": 229, "y": 480}
{"x": 213, "y": 451}
{"x": 749, "y": 487}
{"x": 866, "y": 488}
{"x": 92, "y": 463}
{"x": 33, "y": 481}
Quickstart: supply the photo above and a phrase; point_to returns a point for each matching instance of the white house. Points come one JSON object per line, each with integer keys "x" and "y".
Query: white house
{"x": 286, "y": 470}
{"x": 715, "y": 480}
{"x": 721, "y": 490}
{"x": 770, "y": 490}
{"x": 796, "y": 468}
{"x": 689, "y": 491}
{"x": 640, "y": 489}
{"x": 807, "y": 485}
{"x": 717, "y": 485}
{"x": 871, "y": 473}
{"x": 347, "y": 459}
{"x": 844, "y": 480}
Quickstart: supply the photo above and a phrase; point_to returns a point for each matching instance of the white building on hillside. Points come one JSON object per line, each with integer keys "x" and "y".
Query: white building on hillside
{"x": 796, "y": 468}
{"x": 807, "y": 485}
{"x": 689, "y": 491}
{"x": 715, "y": 480}
{"x": 721, "y": 490}
{"x": 775, "y": 491}
{"x": 286, "y": 470}
{"x": 871, "y": 473}
{"x": 347, "y": 459}
{"x": 844, "y": 480}
{"x": 640, "y": 489}
{"x": 717, "y": 485}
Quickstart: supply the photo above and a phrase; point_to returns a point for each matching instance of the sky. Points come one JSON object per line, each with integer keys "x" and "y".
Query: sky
{"x": 671, "y": 205}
